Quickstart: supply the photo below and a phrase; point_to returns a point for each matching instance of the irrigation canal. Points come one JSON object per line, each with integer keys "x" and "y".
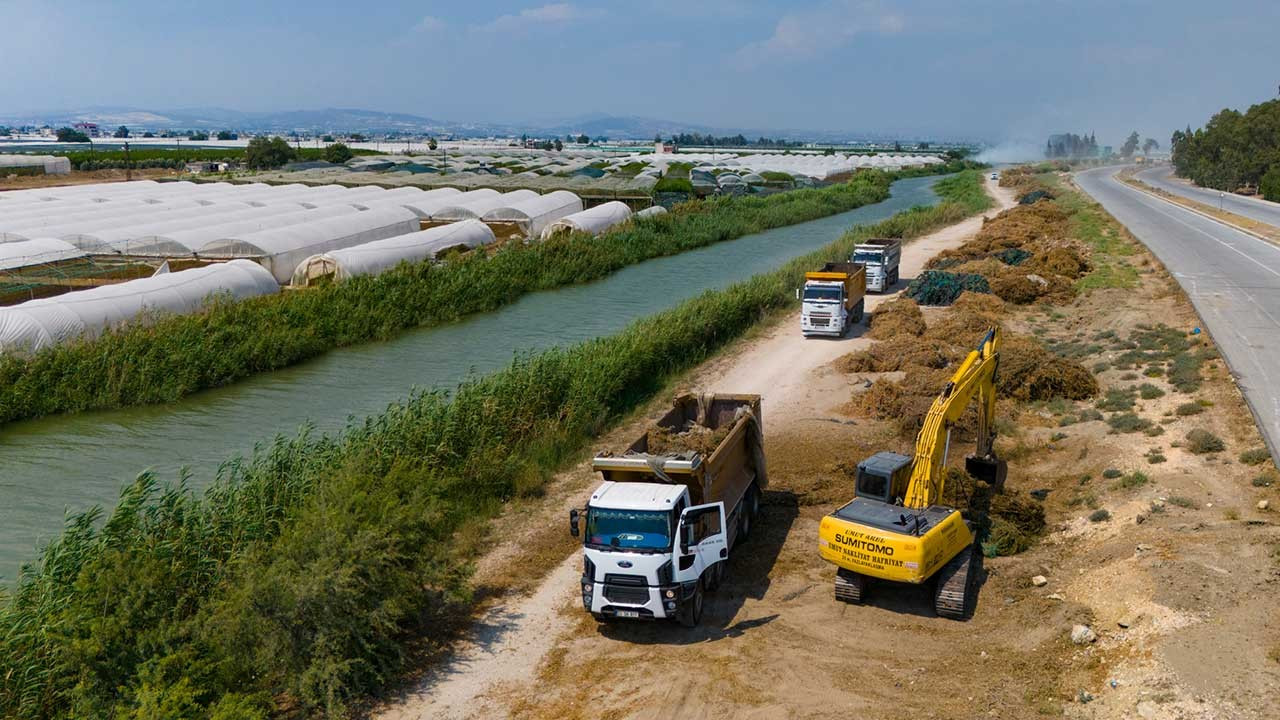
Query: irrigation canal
{"x": 70, "y": 463}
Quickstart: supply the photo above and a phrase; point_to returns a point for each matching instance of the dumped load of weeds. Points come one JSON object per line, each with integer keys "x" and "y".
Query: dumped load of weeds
{"x": 939, "y": 287}
{"x": 1024, "y": 253}
{"x": 690, "y": 438}
{"x": 900, "y": 316}
{"x": 1009, "y": 522}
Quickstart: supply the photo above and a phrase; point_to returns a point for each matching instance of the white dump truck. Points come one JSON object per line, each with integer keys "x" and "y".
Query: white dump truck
{"x": 659, "y": 529}
{"x": 881, "y": 256}
{"x": 832, "y": 299}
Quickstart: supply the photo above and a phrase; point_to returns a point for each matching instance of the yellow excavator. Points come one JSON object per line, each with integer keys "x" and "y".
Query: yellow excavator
{"x": 895, "y": 527}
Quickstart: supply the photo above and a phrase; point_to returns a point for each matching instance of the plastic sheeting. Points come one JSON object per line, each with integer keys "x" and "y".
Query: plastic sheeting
{"x": 592, "y": 220}
{"x": 51, "y": 164}
{"x": 651, "y": 212}
{"x": 39, "y": 251}
{"x": 188, "y": 241}
{"x": 381, "y": 255}
{"x": 38, "y": 324}
{"x": 281, "y": 249}
{"x": 536, "y": 213}
{"x": 474, "y": 209}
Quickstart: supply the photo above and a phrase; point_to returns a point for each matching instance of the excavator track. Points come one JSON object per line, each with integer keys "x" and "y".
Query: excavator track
{"x": 958, "y": 584}
{"x": 850, "y": 586}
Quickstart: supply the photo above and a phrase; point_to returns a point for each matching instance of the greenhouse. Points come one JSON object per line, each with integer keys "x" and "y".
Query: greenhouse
{"x": 141, "y": 239}
{"x": 38, "y": 324}
{"x": 592, "y": 220}
{"x": 78, "y": 224}
{"x": 534, "y": 214}
{"x": 39, "y": 251}
{"x": 475, "y": 209}
{"x": 281, "y": 249}
{"x": 381, "y": 255}
{"x": 46, "y": 164}
{"x": 651, "y": 212}
{"x": 187, "y": 242}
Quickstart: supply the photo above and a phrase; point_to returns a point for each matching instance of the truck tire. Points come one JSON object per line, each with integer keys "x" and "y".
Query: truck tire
{"x": 691, "y": 612}
{"x": 858, "y": 311}
{"x": 750, "y": 508}
{"x": 715, "y": 577}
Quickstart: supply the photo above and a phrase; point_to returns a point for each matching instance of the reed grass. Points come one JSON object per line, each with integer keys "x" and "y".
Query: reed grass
{"x": 171, "y": 357}
{"x": 305, "y": 577}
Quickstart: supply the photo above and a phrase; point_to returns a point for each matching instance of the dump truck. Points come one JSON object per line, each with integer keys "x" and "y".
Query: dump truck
{"x": 897, "y": 528}
{"x": 657, "y": 532}
{"x": 881, "y": 256}
{"x": 833, "y": 299}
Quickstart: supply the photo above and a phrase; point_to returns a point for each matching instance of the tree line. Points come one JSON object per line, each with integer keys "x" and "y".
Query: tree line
{"x": 698, "y": 139}
{"x": 1233, "y": 150}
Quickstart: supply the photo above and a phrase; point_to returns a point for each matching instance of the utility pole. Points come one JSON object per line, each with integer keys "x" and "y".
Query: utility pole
{"x": 128, "y": 164}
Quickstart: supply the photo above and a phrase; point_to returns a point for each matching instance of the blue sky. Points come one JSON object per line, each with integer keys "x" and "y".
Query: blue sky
{"x": 996, "y": 69}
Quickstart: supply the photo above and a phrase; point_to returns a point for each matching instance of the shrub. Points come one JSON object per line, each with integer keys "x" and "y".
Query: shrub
{"x": 1202, "y": 442}
{"x": 1133, "y": 480}
{"x": 1147, "y": 391}
{"x": 1191, "y": 408}
{"x": 1182, "y": 501}
{"x": 1156, "y": 458}
{"x": 1269, "y": 186}
{"x": 1100, "y": 515}
{"x": 1256, "y": 456}
{"x": 1128, "y": 422}
{"x": 1111, "y": 473}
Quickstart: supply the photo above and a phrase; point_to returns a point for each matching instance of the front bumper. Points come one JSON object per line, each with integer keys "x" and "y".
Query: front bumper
{"x": 625, "y": 602}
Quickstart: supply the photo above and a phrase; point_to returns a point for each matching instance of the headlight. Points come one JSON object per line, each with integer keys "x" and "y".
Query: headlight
{"x": 586, "y": 588}
{"x": 671, "y": 605}
{"x": 670, "y": 593}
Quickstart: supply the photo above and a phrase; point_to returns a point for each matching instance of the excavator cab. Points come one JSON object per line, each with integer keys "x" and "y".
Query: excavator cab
{"x": 884, "y": 477}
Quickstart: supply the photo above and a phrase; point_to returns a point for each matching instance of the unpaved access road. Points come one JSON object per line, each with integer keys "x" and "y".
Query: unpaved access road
{"x": 514, "y": 638}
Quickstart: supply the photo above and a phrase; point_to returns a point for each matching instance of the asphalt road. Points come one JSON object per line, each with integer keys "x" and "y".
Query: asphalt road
{"x": 1232, "y": 278}
{"x": 1161, "y": 176}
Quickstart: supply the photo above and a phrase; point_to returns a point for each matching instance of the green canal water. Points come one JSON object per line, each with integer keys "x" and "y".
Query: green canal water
{"x": 64, "y": 464}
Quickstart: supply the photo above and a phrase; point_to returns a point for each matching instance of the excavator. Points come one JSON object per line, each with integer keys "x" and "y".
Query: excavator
{"x": 896, "y": 528}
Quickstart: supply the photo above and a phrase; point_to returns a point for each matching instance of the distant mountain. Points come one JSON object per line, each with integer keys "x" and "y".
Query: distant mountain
{"x": 343, "y": 120}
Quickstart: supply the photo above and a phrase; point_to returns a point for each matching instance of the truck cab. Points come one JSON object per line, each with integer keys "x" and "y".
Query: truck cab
{"x": 832, "y": 299}
{"x": 882, "y": 257}
{"x": 645, "y": 548}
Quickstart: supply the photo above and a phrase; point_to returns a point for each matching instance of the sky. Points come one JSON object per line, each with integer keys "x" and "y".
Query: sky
{"x": 999, "y": 70}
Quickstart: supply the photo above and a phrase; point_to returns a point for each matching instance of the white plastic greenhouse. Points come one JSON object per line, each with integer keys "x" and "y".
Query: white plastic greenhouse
{"x": 281, "y": 249}
{"x": 36, "y": 252}
{"x": 592, "y": 220}
{"x": 536, "y": 213}
{"x": 134, "y": 239}
{"x": 38, "y": 324}
{"x": 186, "y": 242}
{"x": 381, "y": 255}
{"x": 474, "y": 209}
{"x": 651, "y": 212}
{"x": 48, "y": 164}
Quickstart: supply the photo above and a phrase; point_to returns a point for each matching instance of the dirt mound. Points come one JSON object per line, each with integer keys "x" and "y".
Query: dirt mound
{"x": 900, "y": 316}
{"x": 691, "y": 438}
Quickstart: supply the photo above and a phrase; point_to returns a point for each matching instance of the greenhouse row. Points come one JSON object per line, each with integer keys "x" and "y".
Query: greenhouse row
{"x": 278, "y": 225}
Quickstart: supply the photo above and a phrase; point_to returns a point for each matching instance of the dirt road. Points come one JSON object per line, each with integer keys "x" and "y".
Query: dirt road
{"x": 799, "y": 389}
{"x": 1163, "y": 551}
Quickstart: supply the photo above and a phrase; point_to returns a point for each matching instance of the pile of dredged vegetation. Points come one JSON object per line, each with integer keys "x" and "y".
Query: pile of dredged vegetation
{"x": 311, "y": 575}
{"x": 175, "y": 356}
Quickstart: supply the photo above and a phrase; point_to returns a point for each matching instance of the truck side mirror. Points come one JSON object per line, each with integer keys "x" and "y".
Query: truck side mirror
{"x": 686, "y": 538}
{"x": 573, "y": 522}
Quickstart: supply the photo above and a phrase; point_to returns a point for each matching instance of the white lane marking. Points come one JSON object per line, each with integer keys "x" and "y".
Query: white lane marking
{"x": 1145, "y": 199}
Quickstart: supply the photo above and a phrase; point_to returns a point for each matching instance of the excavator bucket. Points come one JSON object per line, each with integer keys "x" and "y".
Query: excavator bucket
{"x": 990, "y": 470}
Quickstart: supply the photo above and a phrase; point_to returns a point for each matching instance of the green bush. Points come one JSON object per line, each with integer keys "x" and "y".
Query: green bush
{"x": 1128, "y": 422}
{"x": 308, "y": 573}
{"x": 1112, "y": 473}
{"x": 1191, "y": 408}
{"x": 1147, "y": 391}
{"x": 1100, "y": 515}
{"x": 1270, "y": 184}
{"x": 1256, "y": 456}
{"x": 1202, "y": 442}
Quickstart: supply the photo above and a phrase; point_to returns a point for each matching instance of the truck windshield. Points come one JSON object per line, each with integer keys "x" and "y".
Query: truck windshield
{"x": 629, "y": 529}
{"x": 868, "y": 258}
{"x": 822, "y": 293}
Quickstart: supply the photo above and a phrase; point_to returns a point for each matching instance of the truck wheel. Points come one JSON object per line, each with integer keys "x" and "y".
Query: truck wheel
{"x": 750, "y": 508}
{"x": 691, "y": 613}
{"x": 715, "y": 577}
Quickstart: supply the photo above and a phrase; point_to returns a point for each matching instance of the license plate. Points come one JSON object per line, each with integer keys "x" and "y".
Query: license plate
{"x": 628, "y": 613}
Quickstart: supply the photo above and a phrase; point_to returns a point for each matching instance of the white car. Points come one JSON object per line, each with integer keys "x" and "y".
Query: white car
{"x": 995, "y": 176}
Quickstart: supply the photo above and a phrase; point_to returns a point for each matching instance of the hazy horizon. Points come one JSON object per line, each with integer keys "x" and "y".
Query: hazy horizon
{"x": 998, "y": 70}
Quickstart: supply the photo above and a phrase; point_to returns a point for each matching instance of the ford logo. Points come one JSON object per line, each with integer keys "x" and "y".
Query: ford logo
{"x": 624, "y": 563}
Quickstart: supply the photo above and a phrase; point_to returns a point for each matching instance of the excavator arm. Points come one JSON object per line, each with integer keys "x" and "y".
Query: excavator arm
{"x": 976, "y": 376}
